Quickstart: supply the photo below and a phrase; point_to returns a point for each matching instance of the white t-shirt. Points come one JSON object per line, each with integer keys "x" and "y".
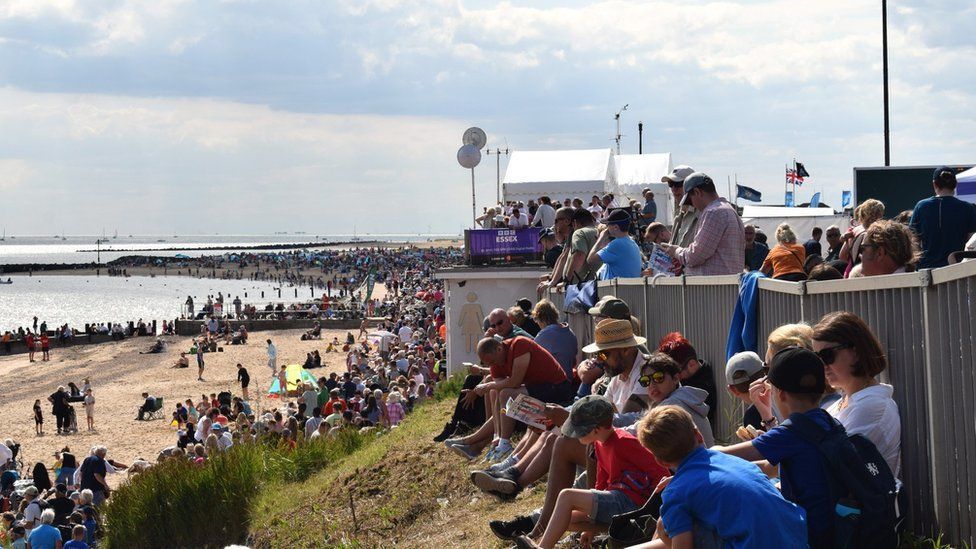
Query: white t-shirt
{"x": 32, "y": 514}
{"x": 518, "y": 222}
{"x": 545, "y": 216}
{"x": 872, "y": 412}
{"x": 596, "y": 210}
{"x": 312, "y": 425}
{"x": 619, "y": 391}
{"x": 405, "y": 333}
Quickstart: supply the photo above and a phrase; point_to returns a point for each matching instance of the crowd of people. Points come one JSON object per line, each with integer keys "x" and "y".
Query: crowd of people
{"x": 628, "y": 431}
{"x": 605, "y": 240}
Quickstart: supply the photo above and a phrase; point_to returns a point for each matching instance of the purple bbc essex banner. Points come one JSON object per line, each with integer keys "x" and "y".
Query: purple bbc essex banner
{"x": 495, "y": 242}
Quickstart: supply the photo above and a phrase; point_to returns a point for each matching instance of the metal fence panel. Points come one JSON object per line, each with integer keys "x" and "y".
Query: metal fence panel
{"x": 664, "y": 309}
{"x": 631, "y": 291}
{"x": 708, "y": 311}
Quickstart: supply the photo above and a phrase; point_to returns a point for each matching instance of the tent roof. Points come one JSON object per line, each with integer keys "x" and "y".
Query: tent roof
{"x": 749, "y": 212}
{"x": 641, "y": 169}
{"x": 559, "y": 166}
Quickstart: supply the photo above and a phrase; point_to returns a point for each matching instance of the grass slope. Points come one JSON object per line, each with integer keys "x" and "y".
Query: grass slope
{"x": 406, "y": 491}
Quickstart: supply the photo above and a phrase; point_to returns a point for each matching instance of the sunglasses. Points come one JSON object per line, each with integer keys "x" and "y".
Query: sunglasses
{"x": 829, "y": 355}
{"x": 656, "y": 376}
{"x": 601, "y": 356}
{"x": 496, "y": 324}
{"x": 675, "y": 184}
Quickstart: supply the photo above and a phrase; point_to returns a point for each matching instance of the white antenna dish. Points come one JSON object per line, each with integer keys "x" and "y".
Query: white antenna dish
{"x": 469, "y": 156}
{"x": 475, "y": 136}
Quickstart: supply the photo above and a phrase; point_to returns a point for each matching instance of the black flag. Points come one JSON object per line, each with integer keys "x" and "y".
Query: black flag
{"x": 801, "y": 171}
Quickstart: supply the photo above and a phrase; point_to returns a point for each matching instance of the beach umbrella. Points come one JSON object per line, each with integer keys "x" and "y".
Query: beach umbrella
{"x": 380, "y": 335}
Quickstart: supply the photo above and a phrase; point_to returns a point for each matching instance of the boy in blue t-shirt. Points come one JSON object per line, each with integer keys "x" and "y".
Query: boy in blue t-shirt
{"x": 78, "y": 535}
{"x": 713, "y": 499}
{"x": 797, "y": 378}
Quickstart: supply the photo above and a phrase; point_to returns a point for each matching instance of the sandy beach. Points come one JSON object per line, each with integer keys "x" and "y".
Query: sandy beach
{"x": 119, "y": 375}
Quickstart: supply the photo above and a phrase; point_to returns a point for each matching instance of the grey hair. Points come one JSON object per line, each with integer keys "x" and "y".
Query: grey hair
{"x": 47, "y": 516}
{"x": 87, "y": 496}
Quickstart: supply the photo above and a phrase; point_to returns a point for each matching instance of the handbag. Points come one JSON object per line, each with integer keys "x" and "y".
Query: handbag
{"x": 637, "y": 526}
{"x": 580, "y": 297}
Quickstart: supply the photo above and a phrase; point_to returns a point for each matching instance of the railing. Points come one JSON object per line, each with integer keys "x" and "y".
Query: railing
{"x": 923, "y": 320}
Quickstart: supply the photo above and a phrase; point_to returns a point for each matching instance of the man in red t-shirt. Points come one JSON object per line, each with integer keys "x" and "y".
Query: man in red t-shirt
{"x": 519, "y": 365}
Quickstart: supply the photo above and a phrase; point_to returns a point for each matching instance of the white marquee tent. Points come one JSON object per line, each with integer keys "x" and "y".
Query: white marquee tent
{"x": 967, "y": 185}
{"x": 559, "y": 174}
{"x": 636, "y": 172}
{"x": 802, "y": 220}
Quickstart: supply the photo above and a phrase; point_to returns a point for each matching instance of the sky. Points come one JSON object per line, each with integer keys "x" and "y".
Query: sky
{"x": 250, "y": 117}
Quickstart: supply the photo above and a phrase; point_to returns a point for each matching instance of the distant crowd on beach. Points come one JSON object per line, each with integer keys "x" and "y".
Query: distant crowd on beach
{"x": 391, "y": 367}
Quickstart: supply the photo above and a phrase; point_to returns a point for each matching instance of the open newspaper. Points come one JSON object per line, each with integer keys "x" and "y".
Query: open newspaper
{"x": 528, "y": 410}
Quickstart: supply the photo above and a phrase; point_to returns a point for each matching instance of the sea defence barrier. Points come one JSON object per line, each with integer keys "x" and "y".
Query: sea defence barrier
{"x": 193, "y": 327}
{"x": 925, "y": 323}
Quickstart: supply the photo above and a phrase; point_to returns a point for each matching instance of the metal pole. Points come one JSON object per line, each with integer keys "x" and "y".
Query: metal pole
{"x": 498, "y": 176}
{"x": 474, "y": 215}
{"x": 640, "y": 138}
{"x": 884, "y": 65}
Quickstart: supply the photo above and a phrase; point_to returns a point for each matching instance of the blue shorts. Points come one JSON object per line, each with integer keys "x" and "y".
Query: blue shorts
{"x": 608, "y": 504}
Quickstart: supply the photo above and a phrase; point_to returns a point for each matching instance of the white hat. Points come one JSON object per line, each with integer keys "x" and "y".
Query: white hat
{"x": 678, "y": 174}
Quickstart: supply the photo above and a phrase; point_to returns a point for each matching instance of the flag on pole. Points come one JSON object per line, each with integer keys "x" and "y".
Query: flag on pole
{"x": 801, "y": 171}
{"x": 845, "y": 199}
{"x": 789, "y": 199}
{"x": 815, "y": 201}
{"x": 792, "y": 176}
{"x": 747, "y": 193}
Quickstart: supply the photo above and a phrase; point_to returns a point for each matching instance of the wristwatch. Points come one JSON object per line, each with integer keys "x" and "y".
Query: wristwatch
{"x": 769, "y": 423}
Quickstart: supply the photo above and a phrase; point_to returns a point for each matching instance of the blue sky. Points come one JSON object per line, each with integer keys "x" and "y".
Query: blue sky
{"x": 252, "y": 117}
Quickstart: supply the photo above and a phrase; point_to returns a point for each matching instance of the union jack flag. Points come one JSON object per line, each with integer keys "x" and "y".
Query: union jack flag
{"x": 793, "y": 177}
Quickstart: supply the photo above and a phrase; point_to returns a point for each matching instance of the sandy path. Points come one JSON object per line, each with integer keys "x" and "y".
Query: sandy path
{"x": 119, "y": 375}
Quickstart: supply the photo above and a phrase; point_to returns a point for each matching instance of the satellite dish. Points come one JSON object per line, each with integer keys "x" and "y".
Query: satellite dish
{"x": 468, "y": 155}
{"x": 475, "y": 136}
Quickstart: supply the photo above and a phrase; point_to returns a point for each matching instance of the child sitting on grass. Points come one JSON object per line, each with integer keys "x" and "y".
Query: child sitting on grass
{"x": 713, "y": 499}
{"x": 626, "y": 475}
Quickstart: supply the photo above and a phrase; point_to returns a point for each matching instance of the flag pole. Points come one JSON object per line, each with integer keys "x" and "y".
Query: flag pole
{"x": 795, "y": 175}
{"x": 728, "y": 184}
{"x": 786, "y": 181}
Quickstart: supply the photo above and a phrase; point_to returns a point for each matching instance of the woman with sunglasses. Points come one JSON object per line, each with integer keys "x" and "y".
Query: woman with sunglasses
{"x": 660, "y": 375}
{"x": 852, "y": 357}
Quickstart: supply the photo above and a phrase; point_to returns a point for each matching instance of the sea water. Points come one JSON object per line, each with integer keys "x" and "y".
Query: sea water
{"x": 77, "y": 300}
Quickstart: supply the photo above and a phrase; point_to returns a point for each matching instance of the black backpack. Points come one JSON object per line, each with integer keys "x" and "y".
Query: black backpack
{"x": 861, "y": 484}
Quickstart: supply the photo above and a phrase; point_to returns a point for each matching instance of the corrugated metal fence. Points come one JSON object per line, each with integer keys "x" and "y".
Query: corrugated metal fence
{"x": 924, "y": 321}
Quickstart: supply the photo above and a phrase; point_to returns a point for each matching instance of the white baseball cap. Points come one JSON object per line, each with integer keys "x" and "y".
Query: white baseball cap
{"x": 678, "y": 174}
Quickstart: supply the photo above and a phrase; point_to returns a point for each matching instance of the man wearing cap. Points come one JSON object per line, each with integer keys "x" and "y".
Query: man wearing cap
{"x": 719, "y": 244}
{"x": 942, "y": 222}
{"x": 545, "y": 214}
{"x": 626, "y": 475}
{"x": 685, "y": 216}
{"x": 797, "y": 378}
{"x": 619, "y": 254}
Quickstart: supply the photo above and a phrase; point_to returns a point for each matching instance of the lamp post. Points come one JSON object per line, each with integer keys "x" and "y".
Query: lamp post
{"x": 884, "y": 69}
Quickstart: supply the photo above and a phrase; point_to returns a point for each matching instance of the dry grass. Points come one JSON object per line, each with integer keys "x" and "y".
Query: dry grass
{"x": 406, "y": 490}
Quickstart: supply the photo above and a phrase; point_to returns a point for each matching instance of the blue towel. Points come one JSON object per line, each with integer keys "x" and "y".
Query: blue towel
{"x": 745, "y": 323}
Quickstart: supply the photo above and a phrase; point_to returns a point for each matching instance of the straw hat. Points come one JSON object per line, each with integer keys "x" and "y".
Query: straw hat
{"x": 613, "y": 334}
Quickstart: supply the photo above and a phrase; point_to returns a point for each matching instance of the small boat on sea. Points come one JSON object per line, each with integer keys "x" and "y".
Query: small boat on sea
{"x": 8, "y": 281}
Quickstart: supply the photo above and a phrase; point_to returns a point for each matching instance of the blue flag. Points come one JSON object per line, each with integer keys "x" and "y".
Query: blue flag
{"x": 815, "y": 201}
{"x": 845, "y": 199}
{"x": 789, "y": 199}
{"x": 747, "y": 193}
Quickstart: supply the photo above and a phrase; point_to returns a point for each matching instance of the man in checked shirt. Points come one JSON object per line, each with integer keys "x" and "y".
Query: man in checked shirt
{"x": 719, "y": 244}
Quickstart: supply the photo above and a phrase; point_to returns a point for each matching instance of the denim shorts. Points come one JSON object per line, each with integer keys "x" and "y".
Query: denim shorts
{"x": 607, "y": 504}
